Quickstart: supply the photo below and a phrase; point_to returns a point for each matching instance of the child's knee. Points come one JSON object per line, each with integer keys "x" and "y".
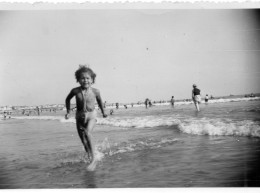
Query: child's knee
{"x": 87, "y": 131}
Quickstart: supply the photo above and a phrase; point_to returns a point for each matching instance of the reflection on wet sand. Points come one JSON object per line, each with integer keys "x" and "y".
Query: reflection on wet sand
{"x": 89, "y": 179}
{"x": 5, "y": 179}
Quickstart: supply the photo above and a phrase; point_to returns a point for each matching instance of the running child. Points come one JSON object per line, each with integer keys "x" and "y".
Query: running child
{"x": 86, "y": 115}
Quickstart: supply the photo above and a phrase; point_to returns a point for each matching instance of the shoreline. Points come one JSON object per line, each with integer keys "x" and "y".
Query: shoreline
{"x": 61, "y": 107}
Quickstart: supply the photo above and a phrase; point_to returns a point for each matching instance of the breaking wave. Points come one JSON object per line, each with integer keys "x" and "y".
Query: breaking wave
{"x": 189, "y": 125}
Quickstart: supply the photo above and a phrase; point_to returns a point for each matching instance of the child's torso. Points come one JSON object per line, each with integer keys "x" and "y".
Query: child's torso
{"x": 85, "y": 100}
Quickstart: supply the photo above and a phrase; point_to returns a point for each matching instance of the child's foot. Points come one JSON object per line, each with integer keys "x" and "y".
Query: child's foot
{"x": 92, "y": 165}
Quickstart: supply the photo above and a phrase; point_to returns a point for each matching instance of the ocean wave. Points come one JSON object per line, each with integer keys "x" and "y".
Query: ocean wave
{"x": 135, "y": 122}
{"x": 219, "y": 100}
{"x": 204, "y": 126}
{"x": 253, "y": 110}
{"x": 217, "y": 127}
{"x": 53, "y": 118}
{"x": 190, "y": 125}
{"x": 139, "y": 122}
{"x": 110, "y": 149}
{"x": 106, "y": 148}
{"x": 222, "y": 100}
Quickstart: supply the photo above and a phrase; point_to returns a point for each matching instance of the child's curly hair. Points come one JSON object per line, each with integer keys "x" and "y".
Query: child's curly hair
{"x": 82, "y": 69}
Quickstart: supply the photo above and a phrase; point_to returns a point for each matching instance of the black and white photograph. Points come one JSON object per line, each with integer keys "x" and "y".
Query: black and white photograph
{"x": 129, "y": 96}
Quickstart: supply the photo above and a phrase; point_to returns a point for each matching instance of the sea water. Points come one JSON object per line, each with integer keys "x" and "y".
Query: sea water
{"x": 161, "y": 146}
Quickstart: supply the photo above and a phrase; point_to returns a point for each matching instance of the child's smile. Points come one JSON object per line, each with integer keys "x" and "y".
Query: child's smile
{"x": 85, "y": 80}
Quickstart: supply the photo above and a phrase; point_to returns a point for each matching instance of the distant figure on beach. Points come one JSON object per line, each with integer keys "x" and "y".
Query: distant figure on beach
{"x": 5, "y": 115}
{"x": 196, "y": 96}
{"x": 9, "y": 114}
{"x": 172, "y": 101}
{"x": 38, "y": 110}
{"x": 252, "y": 95}
{"x": 125, "y": 106}
{"x": 150, "y": 103}
{"x": 146, "y": 102}
{"x": 86, "y": 115}
{"x": 111, "y": 112}
{"x": 117, "y": 105}
{"x": 206, "y": 98}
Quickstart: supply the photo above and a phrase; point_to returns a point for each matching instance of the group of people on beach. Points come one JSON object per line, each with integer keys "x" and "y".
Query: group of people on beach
{"x": 196, "y": 97}
{"x": 7, "y": 115}
{"x": 38, "y": 110}
{"x": 147, "y": 103}
{"x": 86, "y": 115}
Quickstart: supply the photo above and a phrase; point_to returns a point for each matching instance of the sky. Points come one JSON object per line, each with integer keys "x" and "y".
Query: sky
{"x": 135, "y": 53}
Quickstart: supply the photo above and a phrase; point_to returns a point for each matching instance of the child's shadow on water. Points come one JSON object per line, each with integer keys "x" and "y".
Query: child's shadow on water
{"x": 89, "y": 179}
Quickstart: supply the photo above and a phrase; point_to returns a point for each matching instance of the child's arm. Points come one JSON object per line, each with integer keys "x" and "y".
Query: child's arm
{"x": 100, "y": 103}
{"x": 67, "y": 102}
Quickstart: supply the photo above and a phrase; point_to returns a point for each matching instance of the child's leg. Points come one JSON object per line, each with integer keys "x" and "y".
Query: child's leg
{"x": 90, "y": 127}
{"x": 88, "y": 137}
{"x": 81, "y": 132}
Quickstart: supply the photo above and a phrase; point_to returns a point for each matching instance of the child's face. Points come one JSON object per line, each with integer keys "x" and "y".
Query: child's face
{"x": 85, "y": 80}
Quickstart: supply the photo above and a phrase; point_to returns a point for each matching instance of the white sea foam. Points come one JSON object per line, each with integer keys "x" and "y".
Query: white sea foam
{"x": 190, "y": 125}
{"x": 113, "y": 149}
{"x": 219, "y": 100}
{"x": 139, "y": 122}
{"x": 217, "y": 127}
{"x": 59, "y": 118}
{"x": 204, "y": 126}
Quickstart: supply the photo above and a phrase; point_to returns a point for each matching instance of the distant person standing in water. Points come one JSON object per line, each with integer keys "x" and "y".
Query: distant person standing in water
{"x": 206, "y": 98}
{"x": 38, "y": 110}
{"x": 150, "y": 103}
{"x": 111, "y": 112}
{"x": 146, "y": 102}
{"x": 172, "y": 101}
{"x": 86, "y": 115}
{"x": 5, "y": 115}
{"x": 196, "y": 96}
